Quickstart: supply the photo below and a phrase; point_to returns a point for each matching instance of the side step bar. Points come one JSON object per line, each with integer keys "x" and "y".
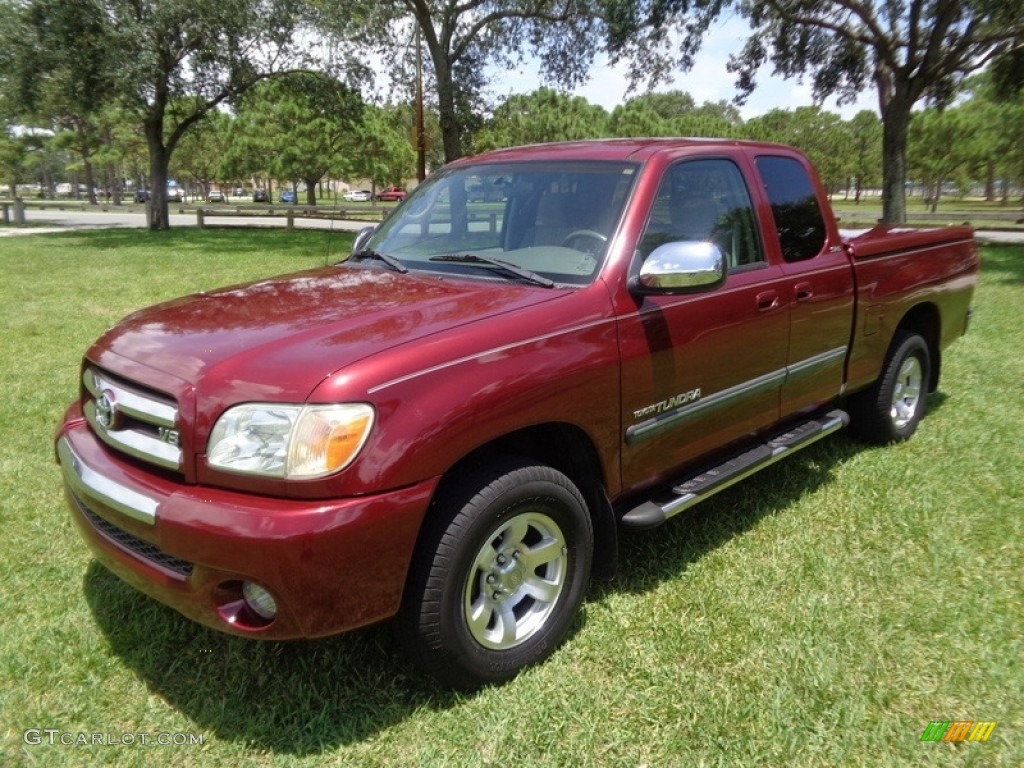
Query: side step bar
{"x": 693, "y": 490}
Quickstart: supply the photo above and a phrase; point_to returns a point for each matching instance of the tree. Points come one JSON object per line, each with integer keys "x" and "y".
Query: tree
{"x": 380, "y": 149}
{"x": 303, "y": 124}
{"x": 636, "y": 118}
{"x": 910, "y": 50}
{"x": 12, "y": 159}
{"x": 542, "y": 116}
{"x": 168, "y": 62}
{"x": 200, "y": 153}
{"x": 997, "y": 114}
{"x": 184, "y": 59}
{"x": 940, "y": 147}
{"x": 463, "y": 37}
{"x": 866, "y": 144}
{"x": 54, "y": 71}
{"x": 674, "y": 113}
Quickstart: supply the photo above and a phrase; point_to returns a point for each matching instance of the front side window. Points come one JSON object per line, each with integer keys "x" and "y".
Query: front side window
{"x": 705, "y": 200}
{"x": 798, "y": 219}
{"x": 554, "y": 219}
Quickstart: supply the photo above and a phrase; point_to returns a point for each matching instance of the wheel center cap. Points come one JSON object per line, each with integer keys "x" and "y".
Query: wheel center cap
{"x": 513, "y": 580}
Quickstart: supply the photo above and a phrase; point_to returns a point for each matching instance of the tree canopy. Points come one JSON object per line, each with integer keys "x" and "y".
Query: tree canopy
{"x": 168, "y": 63}
{"x": 908, "y": 51}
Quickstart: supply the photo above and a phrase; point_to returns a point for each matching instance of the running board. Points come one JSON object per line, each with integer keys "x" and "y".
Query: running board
{"x": 693, "y": 490}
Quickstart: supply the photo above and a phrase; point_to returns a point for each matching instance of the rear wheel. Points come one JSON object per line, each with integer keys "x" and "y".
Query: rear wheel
{"x": 890, "y": 410}
{"x": 503, "y": 568}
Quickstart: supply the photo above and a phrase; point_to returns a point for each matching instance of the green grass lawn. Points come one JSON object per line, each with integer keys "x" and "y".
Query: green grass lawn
{"x": 819, "y": 615}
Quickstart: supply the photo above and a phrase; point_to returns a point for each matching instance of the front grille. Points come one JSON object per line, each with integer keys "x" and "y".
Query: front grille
{"x": 132, "y": 419}
{"x": 133, "y": 544}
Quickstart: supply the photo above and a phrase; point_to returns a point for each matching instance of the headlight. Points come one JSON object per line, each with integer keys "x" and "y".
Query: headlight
{"x": 291, "y": 441}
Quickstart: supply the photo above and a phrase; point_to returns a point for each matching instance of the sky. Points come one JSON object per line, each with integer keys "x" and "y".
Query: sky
{"x": 707, "y": 81}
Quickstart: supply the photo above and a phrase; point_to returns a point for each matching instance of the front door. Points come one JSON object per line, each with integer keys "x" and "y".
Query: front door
{"x": 700, "y": 371}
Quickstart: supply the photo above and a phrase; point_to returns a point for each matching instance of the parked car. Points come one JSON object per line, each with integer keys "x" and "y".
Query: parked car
{"x": 391, "y": 194}
{"x": 215, "y": 196}
{"x": 288, "y": 196}
{"x": 260, "y": 196}
{"x": 453, "y": 429}
{"x": 357, "y": 196}
{"x": 141, "y": 195}
{"x": 488, "y": 191}
{"x": 175, "y": 195}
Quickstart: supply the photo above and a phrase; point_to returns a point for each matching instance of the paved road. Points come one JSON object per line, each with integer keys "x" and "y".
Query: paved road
{"x": 52, "y": 220}
{"x": 59, "y": 221}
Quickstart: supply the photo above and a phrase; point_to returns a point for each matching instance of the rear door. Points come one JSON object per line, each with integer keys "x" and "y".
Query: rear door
{"x": 818, "y": 285}
{"x": 700, "y": 371}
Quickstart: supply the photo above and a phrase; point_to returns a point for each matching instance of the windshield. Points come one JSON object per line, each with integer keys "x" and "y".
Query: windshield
{"x": 552, "y": 219}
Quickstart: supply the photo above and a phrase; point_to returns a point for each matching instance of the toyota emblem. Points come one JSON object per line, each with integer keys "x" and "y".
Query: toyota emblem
{"x": 106, "y": 409}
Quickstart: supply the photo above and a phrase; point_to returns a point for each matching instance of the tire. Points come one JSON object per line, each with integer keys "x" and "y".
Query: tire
{"x": 501, "y": 571}
{"x": 890, "y": 410}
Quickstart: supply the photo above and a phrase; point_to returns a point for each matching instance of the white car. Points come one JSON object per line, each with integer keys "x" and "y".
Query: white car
{"x": 357, "y": 196}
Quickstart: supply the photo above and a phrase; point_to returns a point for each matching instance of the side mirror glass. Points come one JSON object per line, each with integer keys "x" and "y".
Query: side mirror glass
{"x": 681, "y": 267}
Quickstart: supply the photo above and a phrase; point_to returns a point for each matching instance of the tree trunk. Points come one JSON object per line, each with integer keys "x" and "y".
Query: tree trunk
{"x": 451, "y": 131}
{"x": 895, "y": 122}
{"x": 82, "y": 130}
{"x": 159, "y": 218}
{"x": 90, "y": 177}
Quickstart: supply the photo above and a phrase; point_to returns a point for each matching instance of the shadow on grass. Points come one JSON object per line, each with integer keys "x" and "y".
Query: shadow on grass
{"x": 291, "y": 697}
{"x": 302, "y": 697}
{"x": 649, "y": 557}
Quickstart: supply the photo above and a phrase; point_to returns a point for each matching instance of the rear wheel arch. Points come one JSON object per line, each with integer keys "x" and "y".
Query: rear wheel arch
{"x": 926, "y": 321}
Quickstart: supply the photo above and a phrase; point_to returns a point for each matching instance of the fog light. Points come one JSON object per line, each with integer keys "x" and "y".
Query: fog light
{"x": 257, "y": 598}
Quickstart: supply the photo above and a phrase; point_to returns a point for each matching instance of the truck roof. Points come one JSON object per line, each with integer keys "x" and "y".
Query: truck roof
{"x": 636, "y": 149}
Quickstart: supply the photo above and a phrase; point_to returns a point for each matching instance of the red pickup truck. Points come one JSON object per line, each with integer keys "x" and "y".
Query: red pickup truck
{"x": 451, "y": 426}
{"x": 392, "y": 195}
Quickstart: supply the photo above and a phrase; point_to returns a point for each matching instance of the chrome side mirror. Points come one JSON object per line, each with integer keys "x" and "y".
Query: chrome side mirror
{"x": 681, "y": 267}
{"x": 361, "y": 239}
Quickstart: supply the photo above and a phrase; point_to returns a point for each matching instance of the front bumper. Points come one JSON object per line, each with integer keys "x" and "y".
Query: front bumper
{"x": 330, "y": 565}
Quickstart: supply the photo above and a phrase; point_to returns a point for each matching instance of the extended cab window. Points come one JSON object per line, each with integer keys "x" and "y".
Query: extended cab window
{"x": 798, "y": 218}
{"x": 705, "y": 200}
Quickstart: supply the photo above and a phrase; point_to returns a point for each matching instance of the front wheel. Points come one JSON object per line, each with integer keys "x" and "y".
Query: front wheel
{"x": 503, "y": 568}
{"x": 890, "y": 410}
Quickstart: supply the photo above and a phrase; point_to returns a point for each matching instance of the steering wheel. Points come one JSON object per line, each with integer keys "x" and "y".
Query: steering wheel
{"x": 587, "y": 233}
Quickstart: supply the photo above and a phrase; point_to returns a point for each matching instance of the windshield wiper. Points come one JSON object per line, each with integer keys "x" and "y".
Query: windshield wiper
{"x": 472, "y": 258}
{"x": 391, "y": 261}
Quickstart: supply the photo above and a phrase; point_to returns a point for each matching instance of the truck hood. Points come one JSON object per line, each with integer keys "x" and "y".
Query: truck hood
{"x": 278, "y": 338}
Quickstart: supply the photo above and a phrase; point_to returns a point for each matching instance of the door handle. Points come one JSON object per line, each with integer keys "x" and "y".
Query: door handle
{"x": 767, "y": 300}
{"x": 804, "y": 291}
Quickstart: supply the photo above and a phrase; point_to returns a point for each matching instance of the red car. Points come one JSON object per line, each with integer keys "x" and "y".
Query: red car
{"x": 392, "y": 195}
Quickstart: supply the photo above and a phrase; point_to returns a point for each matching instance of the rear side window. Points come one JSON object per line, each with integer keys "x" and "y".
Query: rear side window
{"x": 798, "y": 217}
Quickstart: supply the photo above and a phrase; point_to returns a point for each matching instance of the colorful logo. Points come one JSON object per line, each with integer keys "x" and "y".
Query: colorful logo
{"x": 958, "y": 730}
